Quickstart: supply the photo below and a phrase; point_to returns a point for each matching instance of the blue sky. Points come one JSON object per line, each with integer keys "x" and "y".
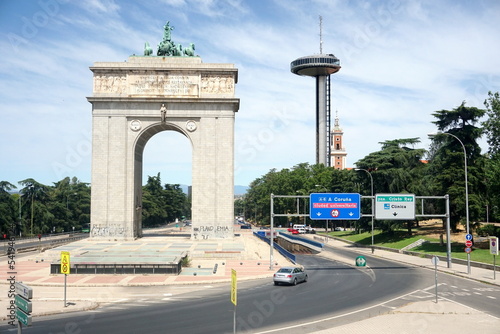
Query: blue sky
{"x": 401, "y": 61}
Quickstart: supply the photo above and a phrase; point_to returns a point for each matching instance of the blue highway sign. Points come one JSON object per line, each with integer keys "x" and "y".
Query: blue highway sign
{"x": 334, "y": 206}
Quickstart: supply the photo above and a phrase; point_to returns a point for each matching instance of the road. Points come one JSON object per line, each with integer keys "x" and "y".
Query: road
{"x": 335, "y": 294}
{"x": 47, "y": 241}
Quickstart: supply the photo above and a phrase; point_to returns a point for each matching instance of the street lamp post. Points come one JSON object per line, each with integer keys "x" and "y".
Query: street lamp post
{"x": 32, "y": 200}
{"x": 326, "y": 221}
{"x": 20, "y": 215}
{"x": 373, "y": 201}
{"x": 431, "y": 135}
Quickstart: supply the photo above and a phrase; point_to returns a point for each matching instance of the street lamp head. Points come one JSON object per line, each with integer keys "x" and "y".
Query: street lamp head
{"x": 434, "y": 134}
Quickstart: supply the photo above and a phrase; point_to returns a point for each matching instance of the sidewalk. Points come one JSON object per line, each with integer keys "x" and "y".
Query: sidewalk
{"x": 89, "y": 291}
{"x": 427, "y": 316}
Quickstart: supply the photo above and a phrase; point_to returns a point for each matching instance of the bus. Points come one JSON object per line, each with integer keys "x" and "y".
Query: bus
{"x": 86, "y": 228}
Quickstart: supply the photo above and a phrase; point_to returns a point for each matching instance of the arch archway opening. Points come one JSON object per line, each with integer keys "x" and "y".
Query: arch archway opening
{"x": 163, "y": 160}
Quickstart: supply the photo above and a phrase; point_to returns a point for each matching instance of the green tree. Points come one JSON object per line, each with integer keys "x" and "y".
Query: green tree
{"x": 163, "y": 204}
{"x": 396, "y": 168}
{"x": 8, "y": 208}
{"x": 302, "y": 179}
{"x": 447, "y": 161}
{"x": 153, "y": 212}
{"x": 492, "y": 125}
{"x": 70, "y": 204}
{"x": 174, "y": 202}
{"x": 492, "y": 166}
{"x": 36, "y": 196}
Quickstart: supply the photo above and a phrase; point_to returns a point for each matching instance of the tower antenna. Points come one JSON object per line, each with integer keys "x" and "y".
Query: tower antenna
{"x": 320, "y": 34}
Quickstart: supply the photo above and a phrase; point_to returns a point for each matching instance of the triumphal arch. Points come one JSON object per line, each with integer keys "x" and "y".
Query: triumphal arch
{"x": 136, "y": 99}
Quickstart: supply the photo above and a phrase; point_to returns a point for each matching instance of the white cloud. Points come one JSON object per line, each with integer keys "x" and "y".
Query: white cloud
{"x": 401, "y": 61}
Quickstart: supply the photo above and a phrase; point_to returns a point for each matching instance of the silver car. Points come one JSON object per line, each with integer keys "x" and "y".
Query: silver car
{"x": 290, "y": 275}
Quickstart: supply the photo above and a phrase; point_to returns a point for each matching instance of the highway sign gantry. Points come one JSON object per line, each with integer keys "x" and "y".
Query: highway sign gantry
{"x": 335, "y": 206}
{"x": 395, "y": 206}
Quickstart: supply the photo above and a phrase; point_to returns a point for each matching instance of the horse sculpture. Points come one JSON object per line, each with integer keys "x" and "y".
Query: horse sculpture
{"x": 177, "y": 50}
{"x": 148, "y": 51}
{"x": 189, "y": 51}
{"x": 164, "y": 48}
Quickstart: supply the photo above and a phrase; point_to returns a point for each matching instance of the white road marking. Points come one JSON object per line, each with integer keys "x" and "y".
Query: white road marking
{"x": 337, "y": 316}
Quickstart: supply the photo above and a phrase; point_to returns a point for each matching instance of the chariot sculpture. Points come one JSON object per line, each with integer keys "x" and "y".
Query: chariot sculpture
{"x": 168, "y": 48}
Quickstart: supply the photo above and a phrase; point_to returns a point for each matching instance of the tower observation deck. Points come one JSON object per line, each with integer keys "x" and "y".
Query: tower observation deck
{"x": 320, "y": 66}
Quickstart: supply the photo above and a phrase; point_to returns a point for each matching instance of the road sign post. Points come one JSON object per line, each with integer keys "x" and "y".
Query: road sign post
{"x": 65, "y": 269}
{"x": 23, "y": 297}
{"x": 234, "y": 293}
{"x": 334, "y": 206}
{"x": 435, "y": 261}
{"x": 494, "y": 252}
{"x": 395, "y": 206}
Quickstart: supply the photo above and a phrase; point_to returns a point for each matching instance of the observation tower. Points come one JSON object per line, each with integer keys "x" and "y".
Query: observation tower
{"x": 320, "y": 66}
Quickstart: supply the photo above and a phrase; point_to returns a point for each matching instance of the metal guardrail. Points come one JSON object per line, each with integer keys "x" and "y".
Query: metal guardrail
{"x": 305, "y": 240}
{"x": 429, "y": 256}
{"x": 117, "y": 269}
{"x": 280, "y": 249}
{"x": 21, "y": 247}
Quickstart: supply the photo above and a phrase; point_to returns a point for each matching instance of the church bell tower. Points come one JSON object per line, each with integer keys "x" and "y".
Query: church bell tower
{"x": 337, "y": 150}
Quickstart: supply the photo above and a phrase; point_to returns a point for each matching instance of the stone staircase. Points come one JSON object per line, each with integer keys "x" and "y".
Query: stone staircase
{"x": 414, "y": 244}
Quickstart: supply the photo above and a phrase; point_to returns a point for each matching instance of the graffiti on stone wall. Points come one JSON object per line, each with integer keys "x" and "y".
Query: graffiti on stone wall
{"x": 112, "y": 230}
{"x": 211, "y": 232}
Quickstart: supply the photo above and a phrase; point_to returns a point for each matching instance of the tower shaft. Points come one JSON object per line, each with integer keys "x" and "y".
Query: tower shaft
{"x": 323, "y": 120}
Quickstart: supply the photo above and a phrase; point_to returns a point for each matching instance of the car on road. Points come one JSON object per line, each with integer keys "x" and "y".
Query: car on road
{"x": 290, "y": 275}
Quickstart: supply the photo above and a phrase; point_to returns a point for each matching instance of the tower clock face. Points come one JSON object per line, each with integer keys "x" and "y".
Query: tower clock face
{"x": 135, "y": 125}
{"x": 191, "y": 126}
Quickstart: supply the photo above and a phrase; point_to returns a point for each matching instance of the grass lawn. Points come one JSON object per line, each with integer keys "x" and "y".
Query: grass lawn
{"x": 399, "y": 240}
{"x": 457, "y": 251}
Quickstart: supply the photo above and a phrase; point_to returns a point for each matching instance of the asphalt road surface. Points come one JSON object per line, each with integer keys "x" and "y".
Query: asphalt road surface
{"x": 335, "y": 294}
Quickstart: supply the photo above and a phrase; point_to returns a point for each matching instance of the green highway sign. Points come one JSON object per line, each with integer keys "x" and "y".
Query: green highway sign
{"x": 360, "y": 261}
{"x": 23, "y": 304}
{"x": 395, "y": 206}
{"x": 23, "y": 318}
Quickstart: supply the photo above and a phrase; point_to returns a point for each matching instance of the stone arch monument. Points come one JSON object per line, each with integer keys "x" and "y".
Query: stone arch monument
{"x": 134, "y": 100}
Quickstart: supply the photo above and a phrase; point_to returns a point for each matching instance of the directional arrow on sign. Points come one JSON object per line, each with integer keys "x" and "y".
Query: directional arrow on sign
{"x": 350, "y": 214}
{"x": 360, "y": 261}
{"x": 318, "y": 214}
{"x": 394, "y": 214}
